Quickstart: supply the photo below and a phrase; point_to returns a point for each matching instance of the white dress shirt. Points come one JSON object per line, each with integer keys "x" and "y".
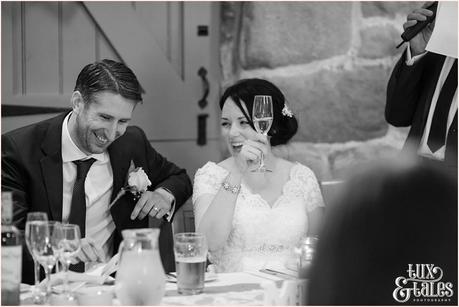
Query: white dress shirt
{"x": 98, "y": 189}
{"x": 424, "y": 150}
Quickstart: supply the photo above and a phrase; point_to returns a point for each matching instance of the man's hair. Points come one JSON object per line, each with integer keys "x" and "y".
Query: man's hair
{"x": 108, "y": 75}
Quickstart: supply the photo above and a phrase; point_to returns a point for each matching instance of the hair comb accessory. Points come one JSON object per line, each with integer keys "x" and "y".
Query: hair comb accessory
{"x": 286, "y": 110}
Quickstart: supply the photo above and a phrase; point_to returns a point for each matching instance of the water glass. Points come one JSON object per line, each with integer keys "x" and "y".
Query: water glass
{"x": 190, "y": 251}
{"x": 69, "y": 246}
{"x": 34, "y": 217}
{"x": 44, "y": 240}
{"x": 307, "y": 252}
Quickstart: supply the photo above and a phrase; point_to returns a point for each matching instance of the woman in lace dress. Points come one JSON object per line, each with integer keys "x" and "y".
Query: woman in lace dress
{"x": 252, "y": 219}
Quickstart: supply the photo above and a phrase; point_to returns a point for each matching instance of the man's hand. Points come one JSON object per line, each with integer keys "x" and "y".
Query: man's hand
{"x": 419, "y": 42}
{"x": 151, "y": 203}
{"x": 89, "y": 252}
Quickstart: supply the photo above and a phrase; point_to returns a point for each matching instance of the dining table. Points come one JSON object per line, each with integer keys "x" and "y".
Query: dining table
{"x": 255, "y": 288}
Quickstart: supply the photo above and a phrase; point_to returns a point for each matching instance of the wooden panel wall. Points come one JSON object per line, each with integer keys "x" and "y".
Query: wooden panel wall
{"x": 167, "y": 28}
{"x": 44, "y": 47}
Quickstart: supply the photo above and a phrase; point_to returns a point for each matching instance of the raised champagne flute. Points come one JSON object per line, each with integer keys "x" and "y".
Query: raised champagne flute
{"x": 69, "y": 246}
{"x": 44, "y": 240}
{"x": 262, "y": 116}
{"x": 33, "y": 218}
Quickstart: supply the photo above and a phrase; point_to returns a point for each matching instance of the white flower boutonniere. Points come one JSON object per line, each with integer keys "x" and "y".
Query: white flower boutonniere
{"x": 137, "y": 183}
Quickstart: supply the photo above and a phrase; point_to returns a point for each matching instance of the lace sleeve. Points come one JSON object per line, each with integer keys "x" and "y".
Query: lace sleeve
{"x": 207, "y": 181}
{"x": 310, "y": 187}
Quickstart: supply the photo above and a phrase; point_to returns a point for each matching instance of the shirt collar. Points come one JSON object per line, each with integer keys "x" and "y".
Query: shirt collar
{"x": 71, "y": 152}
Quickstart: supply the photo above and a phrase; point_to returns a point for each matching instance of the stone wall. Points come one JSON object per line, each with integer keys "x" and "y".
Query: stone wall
{"x": 332, "y": 60}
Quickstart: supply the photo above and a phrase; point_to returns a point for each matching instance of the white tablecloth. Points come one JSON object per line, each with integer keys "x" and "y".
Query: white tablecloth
{"x": 241, "y": 288}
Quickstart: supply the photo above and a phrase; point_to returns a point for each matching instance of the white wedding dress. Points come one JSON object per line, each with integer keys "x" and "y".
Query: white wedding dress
{"x": 262, "y": 236}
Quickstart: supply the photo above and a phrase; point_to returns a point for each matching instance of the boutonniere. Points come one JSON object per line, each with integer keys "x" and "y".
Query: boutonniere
{"x": 137, "y": 183}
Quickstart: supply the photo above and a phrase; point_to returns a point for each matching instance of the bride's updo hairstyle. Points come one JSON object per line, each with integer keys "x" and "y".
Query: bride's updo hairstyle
{"x": 284, "y": 124}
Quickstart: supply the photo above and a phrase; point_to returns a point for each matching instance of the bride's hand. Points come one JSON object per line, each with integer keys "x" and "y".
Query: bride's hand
{"x": 251, "y": 153}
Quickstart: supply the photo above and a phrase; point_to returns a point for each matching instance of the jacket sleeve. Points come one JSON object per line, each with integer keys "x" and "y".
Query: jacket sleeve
{"x": 403, "y": 92}
{"x": 165, "y": 174}
{"x": 15, "y": 180}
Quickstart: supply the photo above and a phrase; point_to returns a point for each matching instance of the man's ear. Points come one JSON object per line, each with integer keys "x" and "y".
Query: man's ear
{"x": 77, "y": 102}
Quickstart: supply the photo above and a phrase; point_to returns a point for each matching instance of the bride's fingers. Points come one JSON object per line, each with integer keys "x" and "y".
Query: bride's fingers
{"x": 250, "y": 154}
{"x": 262, "y": 147}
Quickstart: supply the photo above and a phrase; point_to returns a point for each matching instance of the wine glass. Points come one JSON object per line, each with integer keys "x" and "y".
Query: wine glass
{"x": 44, "y": 240}
{"x": 69, "y": 245}
{"x": 34, "y": 217}
{"x": 262, "y": 116}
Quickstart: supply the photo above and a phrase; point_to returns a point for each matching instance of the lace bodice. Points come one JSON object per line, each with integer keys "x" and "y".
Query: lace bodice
{"x": 261, "y": 235}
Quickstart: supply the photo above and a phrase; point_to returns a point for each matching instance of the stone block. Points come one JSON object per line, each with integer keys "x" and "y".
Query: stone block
{"x": 284, "y": 33}
{"x": 345, "y": 159}
{"x": 338, "y": 105}
{"x": 388, "y": 8}
{"x": 307, "y": 154}
{"x": 379, "y": 41}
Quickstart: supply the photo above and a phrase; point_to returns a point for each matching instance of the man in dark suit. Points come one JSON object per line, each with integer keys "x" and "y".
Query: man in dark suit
{"x": 422, "y": 93}
{"x": 43, "y": 164}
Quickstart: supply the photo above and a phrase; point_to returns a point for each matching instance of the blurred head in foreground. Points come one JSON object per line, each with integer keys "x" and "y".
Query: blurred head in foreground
{"x": 388, "y": 221}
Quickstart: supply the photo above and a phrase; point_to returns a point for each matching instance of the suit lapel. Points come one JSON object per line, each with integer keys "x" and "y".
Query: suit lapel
{"x": 119, "y": 160}
{"x": 51, "y": 166}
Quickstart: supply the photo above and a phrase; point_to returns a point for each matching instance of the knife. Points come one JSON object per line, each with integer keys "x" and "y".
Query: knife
{"x": 277, "y": 273}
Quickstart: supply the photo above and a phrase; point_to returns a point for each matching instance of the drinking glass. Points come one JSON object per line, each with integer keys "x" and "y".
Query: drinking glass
{"x": 69, "y": 246}
{"x": 44, "y": 240}
{"x": 34, "y": 217}
{"x": 307, "y": 252}
{"x": 190, "y": 249}
{"x": 262, "y": 115}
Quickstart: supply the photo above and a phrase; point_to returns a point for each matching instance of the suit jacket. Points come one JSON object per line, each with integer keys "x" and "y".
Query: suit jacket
{"x": 32, "y": 169}
{"x": 409, "y": 95}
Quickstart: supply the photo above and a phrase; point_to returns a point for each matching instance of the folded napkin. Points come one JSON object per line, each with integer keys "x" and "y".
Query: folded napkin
{"x": 76, "y": 281}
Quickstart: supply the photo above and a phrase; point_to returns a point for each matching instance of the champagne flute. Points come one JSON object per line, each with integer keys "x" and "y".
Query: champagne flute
{"x": 44, "y": 239}
{"x": 34, "y": 217}
{"x": 262, "y": 116}
{"x": 69, "y": 245}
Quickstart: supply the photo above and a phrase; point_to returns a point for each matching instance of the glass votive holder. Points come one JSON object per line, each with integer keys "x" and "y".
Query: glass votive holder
{"x": 308, "y": 249}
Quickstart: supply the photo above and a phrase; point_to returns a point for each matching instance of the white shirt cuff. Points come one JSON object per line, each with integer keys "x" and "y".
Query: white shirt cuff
{"x": 411, "y": 60}
{"x": 169, "y": 196}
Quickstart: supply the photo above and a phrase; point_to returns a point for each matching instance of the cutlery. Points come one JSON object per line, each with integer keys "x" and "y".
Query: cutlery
{"x": 171, "y": 277}
{"x": 277, "y": 273}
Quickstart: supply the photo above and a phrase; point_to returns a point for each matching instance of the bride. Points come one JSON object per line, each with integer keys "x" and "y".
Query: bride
{"x": 254, "y": 219}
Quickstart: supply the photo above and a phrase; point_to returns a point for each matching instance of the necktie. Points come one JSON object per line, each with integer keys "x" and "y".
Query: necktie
{"x": 78, "y": 204}
{"x": 437, "y": 135}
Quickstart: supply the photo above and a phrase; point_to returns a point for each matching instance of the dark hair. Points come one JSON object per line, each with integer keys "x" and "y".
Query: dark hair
{"x": 385, "y": 218}
{"x": 108, "y": 75}
{"x": 283, "y": 127}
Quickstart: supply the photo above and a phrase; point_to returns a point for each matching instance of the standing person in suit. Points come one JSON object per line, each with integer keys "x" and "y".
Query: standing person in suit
{"x": 422, "y": 93}
{"x": 41, "y": 165}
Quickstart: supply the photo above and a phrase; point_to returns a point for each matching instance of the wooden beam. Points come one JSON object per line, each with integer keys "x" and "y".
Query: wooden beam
{"x": 18, "y": 110}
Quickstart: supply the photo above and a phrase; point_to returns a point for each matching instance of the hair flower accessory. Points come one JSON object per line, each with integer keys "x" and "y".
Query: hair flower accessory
{"x": 286, "y": 110}
{"x": 137, "y": 183}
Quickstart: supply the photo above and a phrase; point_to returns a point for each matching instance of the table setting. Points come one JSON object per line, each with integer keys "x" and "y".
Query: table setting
{"x": 140, "y": 278}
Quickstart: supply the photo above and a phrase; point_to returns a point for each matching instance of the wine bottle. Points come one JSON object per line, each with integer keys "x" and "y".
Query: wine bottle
{"x": 11, "y": 254}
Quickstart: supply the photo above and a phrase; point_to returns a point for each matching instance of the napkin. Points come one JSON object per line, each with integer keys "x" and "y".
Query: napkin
{"x": 76, "y": 281}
